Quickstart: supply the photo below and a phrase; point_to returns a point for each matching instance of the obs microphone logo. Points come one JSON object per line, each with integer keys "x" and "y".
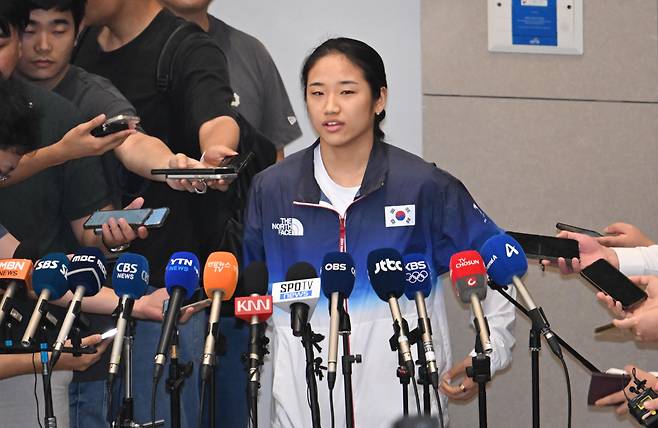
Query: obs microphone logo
{"x": 341, "y": 267}
{"x": 388, "y": 265}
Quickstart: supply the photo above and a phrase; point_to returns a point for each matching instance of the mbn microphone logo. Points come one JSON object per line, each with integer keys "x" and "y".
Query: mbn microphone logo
{"x": 12, "y": 265}
{"x": 388, "y": 265}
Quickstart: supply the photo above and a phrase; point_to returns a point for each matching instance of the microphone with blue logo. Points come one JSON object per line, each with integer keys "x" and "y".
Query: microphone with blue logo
{"x": 418, "y": 285}
{"x": 386, "y": 275}
{"x": 130, "y": 280}
{"x": 506, "y": 263}
{"x": 86, "y": 276}
{"x": 298, "y": 294}
{"x": 49, "y": 282}
{"x": 181, "y": 280}
{"x": 337, "y": 278}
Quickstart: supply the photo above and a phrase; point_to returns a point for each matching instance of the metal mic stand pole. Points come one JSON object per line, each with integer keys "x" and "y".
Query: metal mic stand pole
{"x": 310, "y": 339}
{"x": 423, "y": 372}
{"x": 345, "y": 329}
{"x": 401, "y": 372}
{"x": 480, "y": 372}
{"x": 49, "y": 418}
{"x": 177, "y": 374}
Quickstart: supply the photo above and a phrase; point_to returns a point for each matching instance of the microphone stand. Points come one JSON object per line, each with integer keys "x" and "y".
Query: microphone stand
{"x": 252, "y": 361}
{"x": 177, "y": 374}
{"x": 347, "y": 360}
{"x": 480, "y": 372}
{"x": 423, "y": 372}
{"x": 310, "y": 340}
{"x": 401, "y": 372}
{"x": 125, "y": 418}
{"x": 535, "y": 347}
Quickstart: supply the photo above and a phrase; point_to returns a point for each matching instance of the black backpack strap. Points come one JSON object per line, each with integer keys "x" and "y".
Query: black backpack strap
{"x": 165, "y": 68}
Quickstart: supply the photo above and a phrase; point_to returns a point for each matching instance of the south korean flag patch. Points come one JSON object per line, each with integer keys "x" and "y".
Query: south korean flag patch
{"x": 400, "y": 215}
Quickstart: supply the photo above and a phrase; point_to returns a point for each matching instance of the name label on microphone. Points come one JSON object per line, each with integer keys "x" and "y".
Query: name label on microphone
{"x": 303, "y": 289}
{"x": 15, "y": 269}
{"x": 260, "y": 306}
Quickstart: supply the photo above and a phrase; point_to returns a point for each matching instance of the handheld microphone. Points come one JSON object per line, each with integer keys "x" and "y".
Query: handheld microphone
{"x": 337, "y": 281}
{"x": 418, "y": 285}
{"x": 469, "y": 278}
{"x": 49, "y": 281}
{"x": 298, "y": 294}
{"x": 181, "y": 280}
{"x": 220, "y": 277}
{"x": 386, "y": 275}
{"x": 255, "y": 310}
{"x": 86, "y": 275}
{"x": 130, "y": 279}
{"x": 17, "y": 272}
{"x": 506, "y": 264}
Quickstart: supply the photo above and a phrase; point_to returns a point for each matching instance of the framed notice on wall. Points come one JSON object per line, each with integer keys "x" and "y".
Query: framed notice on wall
{"x": 536, "y": 26}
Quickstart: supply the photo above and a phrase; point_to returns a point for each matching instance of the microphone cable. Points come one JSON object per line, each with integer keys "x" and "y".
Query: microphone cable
{"x": 202, "y": 402}
{"x": 36, "y": 397}
{"x": 438, "y": 402}
{"x": 566, "y": 374}
{"x": 154, "y": 390}
{"x": 110, "y": 400}
{"x": 413, "y": 381}
{"x": 331, "y": 406}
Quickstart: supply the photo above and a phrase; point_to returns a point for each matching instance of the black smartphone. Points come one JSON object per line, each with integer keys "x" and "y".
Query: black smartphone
{"x": 115, "y": 124}
{"x": 546, "y": 247}
{"x": 576, "y": 229}
{"x": 133, "y": 217}
{"x": 608, "y": 279}
{"x": 157, "y": 218}
{"x": 219, "y": 173}
{"x": 237, "y": 162}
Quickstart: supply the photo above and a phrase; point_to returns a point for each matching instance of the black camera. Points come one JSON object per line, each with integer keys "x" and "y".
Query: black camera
{"x": 646, "y": 417}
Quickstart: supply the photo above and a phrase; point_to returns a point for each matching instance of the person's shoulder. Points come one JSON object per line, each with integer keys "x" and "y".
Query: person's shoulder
{"x": 54, "y": 110}
{"x": 283, "y": 172}
{"x": 415, "y": 168}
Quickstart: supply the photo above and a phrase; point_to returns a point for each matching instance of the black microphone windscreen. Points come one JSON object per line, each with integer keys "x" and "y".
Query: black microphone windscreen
{"x": 301, "y": 270}
{"x": 255, "y": 279}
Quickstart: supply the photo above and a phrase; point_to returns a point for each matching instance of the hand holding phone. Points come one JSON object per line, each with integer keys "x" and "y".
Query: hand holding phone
{"x": 116, "y": 124}
{"x": 576, "y": 229}
{"x": 547, "y": 247}
{"x": 612, "y": 282}
{"x": 228, "y": 169}
{"x": 148, "y": 217}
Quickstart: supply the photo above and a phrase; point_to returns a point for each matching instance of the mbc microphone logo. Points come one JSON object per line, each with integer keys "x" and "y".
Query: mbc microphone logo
{"x": 90, "y": 259}
{"x": 388, "y": 265}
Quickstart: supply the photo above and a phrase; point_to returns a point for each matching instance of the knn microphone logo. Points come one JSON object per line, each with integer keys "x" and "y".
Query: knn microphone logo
{"x": 400, "y": 215}
{"x": 289, "y": 226}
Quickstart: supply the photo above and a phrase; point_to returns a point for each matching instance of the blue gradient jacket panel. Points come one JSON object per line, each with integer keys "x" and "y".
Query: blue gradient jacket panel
{"x": 403, "y": 203}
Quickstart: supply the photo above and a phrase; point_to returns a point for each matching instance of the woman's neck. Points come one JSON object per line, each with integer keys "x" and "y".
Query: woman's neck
{"x": 346, "y": 165}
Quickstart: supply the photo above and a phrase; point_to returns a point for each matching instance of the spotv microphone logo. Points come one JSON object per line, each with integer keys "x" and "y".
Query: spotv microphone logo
{"x": 289, "y": 226}
{"x": 388, "y": 265}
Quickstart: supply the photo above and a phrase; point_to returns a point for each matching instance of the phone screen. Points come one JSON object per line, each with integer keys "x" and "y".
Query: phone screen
{"x": 157, "y": 218}
{"x": 611, "y": 281}
{"x": 547, "y": 247}
{"x": 133, "y": 217}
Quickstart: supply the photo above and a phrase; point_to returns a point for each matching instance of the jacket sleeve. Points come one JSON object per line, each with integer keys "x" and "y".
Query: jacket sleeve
{"x": 253, "y": 248}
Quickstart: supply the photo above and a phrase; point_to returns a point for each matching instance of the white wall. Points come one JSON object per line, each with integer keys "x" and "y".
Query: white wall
{"x": 290, "y": 29}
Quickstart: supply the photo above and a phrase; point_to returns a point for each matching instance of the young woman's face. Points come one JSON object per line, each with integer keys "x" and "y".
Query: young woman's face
{"x": 340, "y": 103}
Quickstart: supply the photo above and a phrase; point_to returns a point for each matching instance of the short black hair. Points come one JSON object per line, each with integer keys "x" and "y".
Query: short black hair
{"x": 13, "y": 13}
{"x": 361, "y": 55}
{"x": 77, "y": 8}
{"x": 18, "y": 119}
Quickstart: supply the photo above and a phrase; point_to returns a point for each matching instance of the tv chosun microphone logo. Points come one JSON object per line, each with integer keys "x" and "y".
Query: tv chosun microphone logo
{"x": 472, "y": 281}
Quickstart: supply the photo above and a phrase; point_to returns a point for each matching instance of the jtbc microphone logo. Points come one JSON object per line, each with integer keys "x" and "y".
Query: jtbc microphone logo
{"x": 388, "y": 265}
{"x": 463, "y": 262}
{"x": 90, "y": 259}
{"x": 339, "y": 267}
{"x": 51, "y": 265}
{"x": 128, "y": 271}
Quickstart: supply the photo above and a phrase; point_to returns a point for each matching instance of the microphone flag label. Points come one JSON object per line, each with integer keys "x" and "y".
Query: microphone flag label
{"x": 400, "y": 215}
{"x": 260, "y": 306}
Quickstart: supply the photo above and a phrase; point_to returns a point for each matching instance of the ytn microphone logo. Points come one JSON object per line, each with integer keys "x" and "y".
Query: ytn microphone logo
{"x": 339, "y": 267}
{"x": 51, "y": 265}
{"x": 388, "y": 265}
{"x": 182, "y": 264}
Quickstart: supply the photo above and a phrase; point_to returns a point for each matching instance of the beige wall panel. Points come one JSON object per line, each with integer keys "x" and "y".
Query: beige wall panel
{"x": 620, "y": 60}
{"x": 530, "y": 164}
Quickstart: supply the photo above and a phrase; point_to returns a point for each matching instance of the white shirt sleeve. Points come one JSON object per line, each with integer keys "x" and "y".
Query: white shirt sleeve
{"x": 638, "y": 261}
{"x": 500, "y": 315}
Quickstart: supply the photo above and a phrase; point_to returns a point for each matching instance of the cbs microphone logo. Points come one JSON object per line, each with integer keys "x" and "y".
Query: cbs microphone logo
{"x": 388, "y": 265}
{"x": 128, "y": 271}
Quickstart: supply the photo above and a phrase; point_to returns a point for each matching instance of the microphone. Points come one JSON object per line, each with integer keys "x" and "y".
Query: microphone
{"x": 506, "y": 264}
{"x": 18, "y": 272}
{"x": 337, "y": 281}
{"x": 298, "y": 294}
{"x": 418, "y": 285}
{"x": 387, "y": 278}
{"x": 130, "y": 280}
{"x": 255, "y": 310}
{"x": 49, "y": 281}
{"x": 181, "y": 281}
{"x": 220, "y": 277}
{"x": 86, "y": 275}
{"x": 469, "y": 278}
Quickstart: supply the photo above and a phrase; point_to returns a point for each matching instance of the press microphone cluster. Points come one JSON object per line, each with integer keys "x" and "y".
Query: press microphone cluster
{"x": 86, "y": 275}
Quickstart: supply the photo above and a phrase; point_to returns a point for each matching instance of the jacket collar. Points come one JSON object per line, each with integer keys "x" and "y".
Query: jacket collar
{"x": 308, "y": 190}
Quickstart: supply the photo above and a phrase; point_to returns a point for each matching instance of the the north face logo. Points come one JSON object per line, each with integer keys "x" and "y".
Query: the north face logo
{"x": 289, "y": 227}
